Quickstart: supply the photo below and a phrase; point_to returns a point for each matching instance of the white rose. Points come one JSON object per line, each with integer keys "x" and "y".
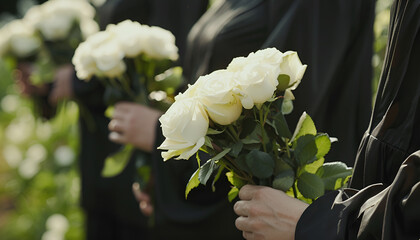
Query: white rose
{"x": 256, "y": 76}
{"x": 129, "y": 35}
{"x": 160, "y": 43}
{"x": 84, "y": 62}
{"x": 185, "y": 126}
{"x": 107, "y": 54}
{"x": 56, "y": 27}
{"x": 292, "y": 66}
{"x": 255, "y": 84}
{"x": 215, "y": 91}
{"x": 22, "y": 39}
{"x": 55, "y": 18}
{"x": 88, "y": 27}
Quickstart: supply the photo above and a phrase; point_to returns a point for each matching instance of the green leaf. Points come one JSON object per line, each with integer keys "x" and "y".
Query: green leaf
{"x": 233, "y": 193}
{"x": 305, "y": 126}
{"x": 333, "y": 171}
{"x": 283, "y": 80}
{"x": 234, "y": 180}
{"x": 281, "y": 127}
{"x": 305, "y": 150}
{"x": 211, "y": 131}
{"x": 208, "y": 142}
{"x": 284, "y": 180}
{"x": 241, "y": 162}
{"x": 313, "y": 167}
{"x": 116, "y": 163}
{"x": 323, "y": 144}
{"x": 192, "y": 183}
{"x": 221, "y": 154}
{"x": 206, "y": 171}
{"x": 216, "y": 178}
{"x": 282, "y": 164}
{"x": 260, "y": 163}
{"x": 310, "y": 185}
{"x": 109, "y": 112}
{"x": 236, "y": 149}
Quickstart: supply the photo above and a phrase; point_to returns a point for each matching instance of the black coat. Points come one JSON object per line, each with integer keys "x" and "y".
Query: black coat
{"x": 387, "y": 172}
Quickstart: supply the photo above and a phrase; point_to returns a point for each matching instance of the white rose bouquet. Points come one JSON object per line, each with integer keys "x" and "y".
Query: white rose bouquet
{"x": 237, "y": 116}
{"x": 62, "y": 25}
{"x": 134, "y": 63}
{"x": 132, "y": 60}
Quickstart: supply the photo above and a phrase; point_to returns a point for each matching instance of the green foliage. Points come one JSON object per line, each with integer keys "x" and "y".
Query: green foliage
{"x": 115, "y": 164}
{"x": 310, "y": 185}
{"x": 304, "y": 126}
{"x": 333, "y": 172}
{"x": 260, "y": 163}
{"x": 192, "y": 183}
{"x": 283, "y": 80}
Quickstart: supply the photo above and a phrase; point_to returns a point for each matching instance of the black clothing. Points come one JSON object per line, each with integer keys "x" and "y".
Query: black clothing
{"x": 387, "y": 171}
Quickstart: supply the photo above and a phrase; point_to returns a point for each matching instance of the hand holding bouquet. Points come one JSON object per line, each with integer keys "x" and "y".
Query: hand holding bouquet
{"x": 236, "y": 115}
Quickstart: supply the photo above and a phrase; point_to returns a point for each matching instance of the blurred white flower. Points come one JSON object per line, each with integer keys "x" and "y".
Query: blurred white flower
{"x": 55, "y": 18}
{"x": 18, "y": 39}
{"x": 52, "y": 235}
{"x": 88, "y": 27}
{"x": 160, "y": 43}
{"x": 130, "y": 36}
{"x": 36, "y": 153}
{"x": 28, "y": 168}
{"x": 10, "y": 103}
{"x": 64, "y": 156}
{"x": 43, "y": 130}
{"x": 12, "y": 155}
{"x": 57, "y": 222}
{"x": 18, "y": 132}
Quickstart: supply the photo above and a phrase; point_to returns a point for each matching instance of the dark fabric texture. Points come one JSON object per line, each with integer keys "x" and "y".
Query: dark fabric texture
{"x": 387, "y": 170}
{"x": 233, "y": 28}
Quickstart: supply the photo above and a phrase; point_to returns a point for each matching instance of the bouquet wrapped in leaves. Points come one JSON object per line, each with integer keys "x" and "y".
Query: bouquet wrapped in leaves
{"x": 237, "y": 116}
{"x": 135, "y": 63}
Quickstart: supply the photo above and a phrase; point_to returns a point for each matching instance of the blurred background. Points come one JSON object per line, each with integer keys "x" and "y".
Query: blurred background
{"x": 39, "y": 183}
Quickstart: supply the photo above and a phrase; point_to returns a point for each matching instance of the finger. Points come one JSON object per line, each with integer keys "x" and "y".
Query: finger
{"x": 248, "y": 235}
{"x": 247, "y": 192}
{"x": 136, "y": 191}
{"x": 243, "y": 224}
{"x": 117, "y": 137}
{"x": 115, "y": 126}
{"x": 241, "y": 208}
{"x": 146, "y": 208}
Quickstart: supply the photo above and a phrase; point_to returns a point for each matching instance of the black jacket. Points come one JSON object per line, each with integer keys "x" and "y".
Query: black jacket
{"x": 387, "y": 171}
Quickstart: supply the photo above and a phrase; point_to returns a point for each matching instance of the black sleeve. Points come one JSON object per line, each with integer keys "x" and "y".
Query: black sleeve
{"x": 375, "y": 212}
